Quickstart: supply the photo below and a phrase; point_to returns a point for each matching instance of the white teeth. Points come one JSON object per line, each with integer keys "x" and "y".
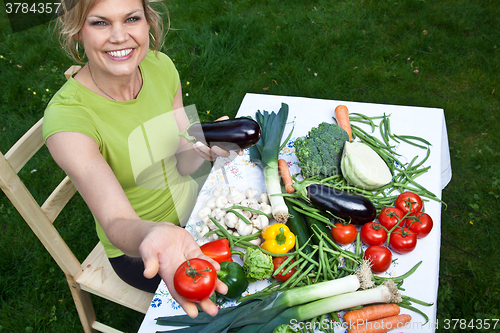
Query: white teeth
{"x": 120, "y": 54}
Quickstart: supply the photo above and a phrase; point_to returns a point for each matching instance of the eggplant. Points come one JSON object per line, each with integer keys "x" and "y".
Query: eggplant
{"x": 230, "y": 134}
{"x": 348, "y": 206}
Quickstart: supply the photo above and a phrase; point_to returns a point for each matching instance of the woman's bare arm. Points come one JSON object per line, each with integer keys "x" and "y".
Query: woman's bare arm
{"x": 162, "y": 246}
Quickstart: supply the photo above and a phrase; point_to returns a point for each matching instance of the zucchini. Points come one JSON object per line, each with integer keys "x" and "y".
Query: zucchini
{"x": 310, "y": 221}
{"x": 298, "y": 226}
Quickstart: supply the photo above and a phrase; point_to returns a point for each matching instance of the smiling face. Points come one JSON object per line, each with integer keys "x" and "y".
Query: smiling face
{"x": 115, "y": 36}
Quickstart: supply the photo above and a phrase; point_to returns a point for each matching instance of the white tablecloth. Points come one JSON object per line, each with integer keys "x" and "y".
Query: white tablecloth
{"x": 305, "y": 113}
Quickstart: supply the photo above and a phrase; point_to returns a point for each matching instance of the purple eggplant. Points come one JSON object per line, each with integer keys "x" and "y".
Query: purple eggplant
{"x": 348, "y": 206}
{"x": 230, "y": 134}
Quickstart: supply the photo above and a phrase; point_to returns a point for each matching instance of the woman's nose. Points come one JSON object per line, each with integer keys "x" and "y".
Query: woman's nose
{"x": 118, "y": 34}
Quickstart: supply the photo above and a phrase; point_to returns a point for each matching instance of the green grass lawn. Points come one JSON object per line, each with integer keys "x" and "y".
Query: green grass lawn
{"x": 442, "y": 54}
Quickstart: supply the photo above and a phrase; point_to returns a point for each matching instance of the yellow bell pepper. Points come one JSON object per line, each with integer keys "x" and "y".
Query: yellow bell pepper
{"x": 278, "y": 238}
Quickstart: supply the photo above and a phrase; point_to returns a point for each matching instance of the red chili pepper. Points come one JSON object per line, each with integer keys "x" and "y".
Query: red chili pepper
{"x": 218, "y": 250}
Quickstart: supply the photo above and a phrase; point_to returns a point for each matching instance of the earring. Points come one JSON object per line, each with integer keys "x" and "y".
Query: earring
{"x": 78, "y": 52}
{"x": 152, "y": 37}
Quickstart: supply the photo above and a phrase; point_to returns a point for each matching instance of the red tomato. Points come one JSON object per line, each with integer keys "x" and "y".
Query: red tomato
{"x": 277, "y": 261}
{"x": 195, "y": 279}
{"x": 372, "y": 233}
{"x": 390, "y": 216}
{"x": 403, "y": 240}
{"x": 380, "y": 258}
{"x": 344, "y": 233}
{"x": 409, "y": 202}
{"x": 421, "y": 224}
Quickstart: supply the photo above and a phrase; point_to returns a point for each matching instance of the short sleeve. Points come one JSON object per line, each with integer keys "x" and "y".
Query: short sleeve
{"x": 69, "y": 116}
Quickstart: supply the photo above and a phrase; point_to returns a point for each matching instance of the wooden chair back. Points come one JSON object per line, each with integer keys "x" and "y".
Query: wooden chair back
{"x": 95, "y": 275}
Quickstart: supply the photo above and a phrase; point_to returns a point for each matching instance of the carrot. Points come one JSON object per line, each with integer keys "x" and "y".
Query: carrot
{"x": 383, "y": 325}
{"x": 370, "y": 312}
{"x": 285, "y": 175}
{"x": 342, "y": 116}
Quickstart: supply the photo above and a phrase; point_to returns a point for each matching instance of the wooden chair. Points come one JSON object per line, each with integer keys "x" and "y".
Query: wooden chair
{"x": 95, "y": 275}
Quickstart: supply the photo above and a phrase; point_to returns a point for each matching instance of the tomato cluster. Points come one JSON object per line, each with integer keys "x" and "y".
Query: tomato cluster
{"x": 402, "y": 224}
{"x": 398, "y": 227}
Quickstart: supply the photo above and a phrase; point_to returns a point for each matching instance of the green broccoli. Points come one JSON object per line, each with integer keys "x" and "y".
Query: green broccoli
{"x": 319, "y": 153}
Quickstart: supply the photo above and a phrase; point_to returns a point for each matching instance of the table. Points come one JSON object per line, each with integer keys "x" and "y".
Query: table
{"x": 305, "y": 113}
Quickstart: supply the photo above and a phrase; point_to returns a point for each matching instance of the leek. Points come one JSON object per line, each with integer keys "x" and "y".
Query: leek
{"x": 380, "y": 294}
{"x": 297, "y": 296}
{"x": 266, "y": 153}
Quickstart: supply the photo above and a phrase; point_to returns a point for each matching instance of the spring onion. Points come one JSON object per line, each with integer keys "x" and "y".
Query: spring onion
{"x": 266, "y": 153}
{"x": 380, "y": 294}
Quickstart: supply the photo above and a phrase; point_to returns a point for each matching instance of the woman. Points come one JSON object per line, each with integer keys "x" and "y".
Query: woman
{"x": 113, "y": 128}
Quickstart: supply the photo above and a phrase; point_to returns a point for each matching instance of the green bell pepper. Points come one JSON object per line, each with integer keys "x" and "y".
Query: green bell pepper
{"x": 232, "y": 275}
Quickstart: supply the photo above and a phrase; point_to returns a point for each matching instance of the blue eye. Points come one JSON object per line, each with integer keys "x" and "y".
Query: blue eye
{"x": 98, "y": 23}
{"x": 133, "y": 19}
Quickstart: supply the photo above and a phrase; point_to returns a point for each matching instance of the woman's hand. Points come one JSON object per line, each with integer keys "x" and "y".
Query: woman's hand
{"x": 211, "y": 153}
{"x": 164, "y": 249}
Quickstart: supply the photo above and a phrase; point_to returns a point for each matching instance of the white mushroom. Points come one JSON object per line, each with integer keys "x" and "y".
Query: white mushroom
{"x": 246, "y": 214}
{"x": 213, "y": 237}
{"x": 244, "y": 229}
{"x": 221, "y": 201}
{"x": 203, "y": 231}
{"x": 253, "y": 201}
{"x": 245, "y": 203}
{"x": 225, "y": 191}
{"x": 250, "y": 193}
{"x": 230, "y": 220}
{"x": 212, "y": 226}
{"x": 235, "y": 196}
{"x": 260, "y": 222}
{"x": 204, "y": 212}
{"x": 264, "y": 198}
{"x": 256, "y": 241}
{"x": 210, "y": 203}
{"x": 218, "y": 191}
{"x": 266, "y": 209}
{"x": 218, "y": 214}
{"x": 255, "y": 206}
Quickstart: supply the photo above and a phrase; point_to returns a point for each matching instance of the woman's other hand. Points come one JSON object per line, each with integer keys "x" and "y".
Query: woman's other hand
{"x": 211, "y": 153}
{"x": 164, "y": 249}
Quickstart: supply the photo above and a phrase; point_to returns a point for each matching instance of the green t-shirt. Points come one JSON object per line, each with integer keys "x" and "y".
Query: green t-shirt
{"x": 138, "y": 139}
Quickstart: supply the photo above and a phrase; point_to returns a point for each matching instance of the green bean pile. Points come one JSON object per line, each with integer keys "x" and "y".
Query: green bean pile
{"x": 404, "y": 175}
{"x": 326, "y": 262}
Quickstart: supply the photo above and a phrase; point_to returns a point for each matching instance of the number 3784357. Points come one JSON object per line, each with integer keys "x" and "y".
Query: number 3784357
{"x": 486, "y": 324}
{"x": 35, "y": 8}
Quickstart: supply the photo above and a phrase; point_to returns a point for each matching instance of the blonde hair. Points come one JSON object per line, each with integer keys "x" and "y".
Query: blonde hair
{"x": 71, "y": 22}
